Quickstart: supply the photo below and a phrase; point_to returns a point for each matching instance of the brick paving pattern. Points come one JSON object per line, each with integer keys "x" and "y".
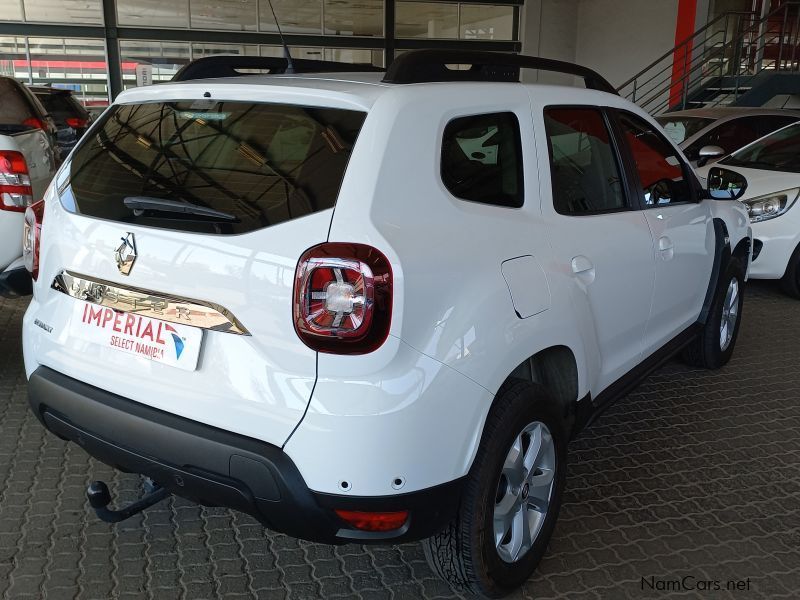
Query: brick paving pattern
{"x": 693, "y": 474}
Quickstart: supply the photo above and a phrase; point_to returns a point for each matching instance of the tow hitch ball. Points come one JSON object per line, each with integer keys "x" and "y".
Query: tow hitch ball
{"x": 99, "y": 498}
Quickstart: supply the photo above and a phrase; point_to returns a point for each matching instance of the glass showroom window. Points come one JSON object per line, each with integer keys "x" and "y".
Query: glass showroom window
{"x": 332, "y": 17}
{"x": 153, "y": 13}
{"x": 13, "y": 12}
{"x": 199, "y": 50}
{"x": 165, "y": 57}
{"x": 76, "y": 64}
{"x": 237, "y": 15}
{"x": 84, "y": 12}
{"x": 439, "y": 20}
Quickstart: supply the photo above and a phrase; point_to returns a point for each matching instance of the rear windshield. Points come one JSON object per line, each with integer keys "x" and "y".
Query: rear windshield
{"x": 61, "y": 106}
{"x": 260, "y": 164}
{"x": 16, "y": 113}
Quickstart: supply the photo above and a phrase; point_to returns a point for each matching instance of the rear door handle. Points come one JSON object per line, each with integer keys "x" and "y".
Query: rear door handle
{"x": 583, "y": 268}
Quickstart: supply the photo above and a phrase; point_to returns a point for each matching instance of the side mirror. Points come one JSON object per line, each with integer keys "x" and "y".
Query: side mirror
{"x": 724, "y": 184}
{"x": 708, "y": 153}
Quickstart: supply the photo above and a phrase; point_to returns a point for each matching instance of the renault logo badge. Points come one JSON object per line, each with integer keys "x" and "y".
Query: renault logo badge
{"x": 126, "y": 254}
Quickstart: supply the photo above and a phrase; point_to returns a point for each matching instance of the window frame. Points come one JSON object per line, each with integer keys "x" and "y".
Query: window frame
{"x": 619, "y": 157}
{"x": 520, "y": 159}
{"x": 688, "y": 173}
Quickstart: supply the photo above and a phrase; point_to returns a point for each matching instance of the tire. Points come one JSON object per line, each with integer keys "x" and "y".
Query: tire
{"x": 709, "y": 351}
{"x": 790, "y": 282}
{"x": 465, "y": 552}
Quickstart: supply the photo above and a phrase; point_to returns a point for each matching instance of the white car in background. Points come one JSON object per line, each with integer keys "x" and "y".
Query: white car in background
{"x": 707, "y": 134}
{"x": 27, "y": 164}
{"x": 771, "y": 167}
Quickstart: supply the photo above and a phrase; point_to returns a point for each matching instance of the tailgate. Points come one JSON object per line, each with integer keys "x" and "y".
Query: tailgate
{"x": 201, "y": 324}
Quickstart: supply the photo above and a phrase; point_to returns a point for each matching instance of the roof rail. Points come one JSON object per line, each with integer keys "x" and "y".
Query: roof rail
{"x": 422, "y": 66}
{"x": 210, "y": 67}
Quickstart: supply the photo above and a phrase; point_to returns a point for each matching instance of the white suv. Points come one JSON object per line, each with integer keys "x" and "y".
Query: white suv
{"x": 370, "y": 307}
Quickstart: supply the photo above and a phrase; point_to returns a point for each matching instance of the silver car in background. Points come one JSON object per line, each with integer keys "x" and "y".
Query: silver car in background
{"x": 707, "y": 134}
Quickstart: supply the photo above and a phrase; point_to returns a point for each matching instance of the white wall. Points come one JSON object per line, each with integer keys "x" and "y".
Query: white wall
{"x": 617, "y": 38}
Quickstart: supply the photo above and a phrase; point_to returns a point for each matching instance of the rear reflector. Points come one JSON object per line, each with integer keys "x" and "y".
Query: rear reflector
{"x": 374, "y": 521}
{"x": 32, "y": 238}
{"x": 15, "y": 182}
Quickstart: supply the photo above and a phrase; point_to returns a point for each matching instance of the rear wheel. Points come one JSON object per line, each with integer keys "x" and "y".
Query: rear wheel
{"x": 714, "y": 346}
{"x": 790, "y": 283}
{"x": 511, "y": 499}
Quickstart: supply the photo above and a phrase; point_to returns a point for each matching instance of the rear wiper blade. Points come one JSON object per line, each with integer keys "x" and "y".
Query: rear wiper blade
{"x": 142, "y": 203}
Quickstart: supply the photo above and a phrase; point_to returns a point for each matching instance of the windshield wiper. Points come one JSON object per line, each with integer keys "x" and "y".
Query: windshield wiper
{"x": 138, "y": 204}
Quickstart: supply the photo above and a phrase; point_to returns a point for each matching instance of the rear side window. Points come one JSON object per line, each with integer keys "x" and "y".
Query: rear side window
{"x": 585, "y": 173}
{"x": 16, "y": 112}
{"x": 261, "y": 164}
{"x": 482, "y": 159}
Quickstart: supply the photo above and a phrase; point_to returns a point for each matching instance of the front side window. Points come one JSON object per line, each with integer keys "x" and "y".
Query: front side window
{"x": 658, "y": 165}
{"x": 585, "y": 174}
{"x": 482, "y": 159}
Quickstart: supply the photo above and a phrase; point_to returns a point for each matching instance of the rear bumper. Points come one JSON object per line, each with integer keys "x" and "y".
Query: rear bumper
{"x": 220, "y": 468}
{"x": 15, "y": 282}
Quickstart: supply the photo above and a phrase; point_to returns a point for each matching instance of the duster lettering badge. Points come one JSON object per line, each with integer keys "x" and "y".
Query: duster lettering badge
{"x": 171, "y": 344}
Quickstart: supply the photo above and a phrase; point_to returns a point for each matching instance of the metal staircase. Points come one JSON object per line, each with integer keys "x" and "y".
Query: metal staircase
{"x": 739, "y": 58}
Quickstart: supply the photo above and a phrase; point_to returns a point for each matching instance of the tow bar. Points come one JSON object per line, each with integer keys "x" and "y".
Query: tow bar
{"x": 100, "y": 497}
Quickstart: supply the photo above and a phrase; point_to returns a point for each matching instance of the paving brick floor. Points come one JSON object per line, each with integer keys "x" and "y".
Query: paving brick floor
{"x": 694, "y": 474}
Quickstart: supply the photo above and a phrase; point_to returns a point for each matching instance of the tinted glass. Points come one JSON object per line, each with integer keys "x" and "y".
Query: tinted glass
{"x": 482, "y": 159}
{"x": 737, "y": 133}
{"x": 661, "y": 172}
{"x": 586, "y": 176}
{"x": 16, "y": 112}
{"x": 779, "y": 151}
{"x": 261, "y": 163}
{"x": 61, "y": 107}
{"x": 680, "y": 129}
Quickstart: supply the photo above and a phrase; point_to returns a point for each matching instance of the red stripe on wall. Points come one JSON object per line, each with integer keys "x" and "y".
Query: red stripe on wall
{"x": 682, "y": 57}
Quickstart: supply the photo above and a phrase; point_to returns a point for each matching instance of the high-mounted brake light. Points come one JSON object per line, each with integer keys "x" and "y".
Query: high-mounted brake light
{"x": 77, "y": 123}
{"x": 32, "y": 238}
{"x": 343, "y": 298}
{"x": 374, "y": 521}
{"x": 15, "y": 182}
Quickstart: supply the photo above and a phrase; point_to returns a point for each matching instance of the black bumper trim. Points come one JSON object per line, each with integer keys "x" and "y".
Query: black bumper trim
{"x": 219, "y": 468}
{"x": 16, "y": 283}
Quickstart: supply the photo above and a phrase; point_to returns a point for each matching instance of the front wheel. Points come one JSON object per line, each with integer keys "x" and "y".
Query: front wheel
{"x": 511, "y": 498}
{"x": 714, "y": 346}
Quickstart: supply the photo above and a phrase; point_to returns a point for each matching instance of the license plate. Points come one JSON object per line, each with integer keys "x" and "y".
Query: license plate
{"x": 167, "y": 343}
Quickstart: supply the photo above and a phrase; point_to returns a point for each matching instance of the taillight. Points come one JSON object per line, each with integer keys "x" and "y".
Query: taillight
{"x": 32, "y": 238}
{"x": 77, "y": 123}
{"x": 34, "y": 123}
{"x": 15, "y": 182}
{"x": 374, "y": 521}
{"x": 343, "y": 298}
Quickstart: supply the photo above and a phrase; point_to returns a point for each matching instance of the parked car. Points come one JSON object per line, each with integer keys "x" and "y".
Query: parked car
{"x": 318, "y": 300}
{"x": 27, "y": 164}
{"x": 707, "y": 134}
{"x": 771, "y": 165}
{"x": 70, "y": 117}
